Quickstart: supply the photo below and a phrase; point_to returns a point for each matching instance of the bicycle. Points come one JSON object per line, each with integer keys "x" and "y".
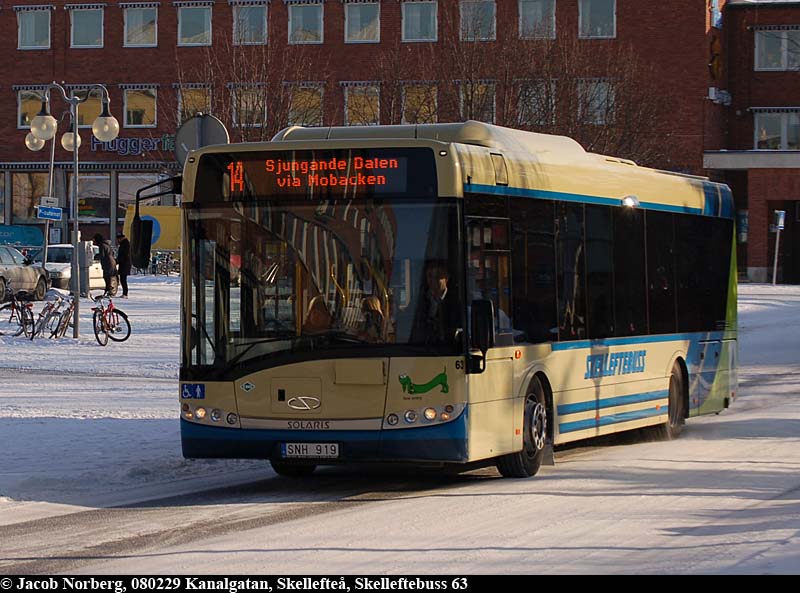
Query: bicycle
{"x": 64, "y": 318}
{"x": 108, "y": 321}
{"x": 20, "y": 313}
{"x": 48, "y": 319}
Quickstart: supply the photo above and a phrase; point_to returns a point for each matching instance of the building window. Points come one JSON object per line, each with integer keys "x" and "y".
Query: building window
{"x": 305, "y": 107}
{"x": 140, "y": 108}
{"x": 250, "y": 24}
{"x": 194, "y": 25}
{"x": 34, "y": 29}
{"x": 778, "y": 50}
{"x": 2, "y": 197}
{"x": 249, "y": 106}
{"x": 477, "y": 101}
{"x": 595, "y": 102}
{"x": 537, "y": 19}
{"x": 89, "y": 110}
{"x": 192, "y": 101}
{"x": 362, "y": 105}
{"x": 29, "y": 103}
{"x": 477, "y": 20}
{"x": 777, "y": 131}
{"x": 26, "y": 189}
{"x": 536, "y": 104}
{"x": 420, "y": 103}
{"x": 305, "y": 23}
{"x": 94, "y": 198}
{"x": 598, "y": 18}
{"x": 141, "y": 27}
{"x": 420, "y": 21}
{"x": 87, "y": 27}
{"x": 127, "y": 186}
{"x": 362, "y": 22}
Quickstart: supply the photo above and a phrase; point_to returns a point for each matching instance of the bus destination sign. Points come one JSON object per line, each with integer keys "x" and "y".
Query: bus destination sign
{"x": 247, "y": 175}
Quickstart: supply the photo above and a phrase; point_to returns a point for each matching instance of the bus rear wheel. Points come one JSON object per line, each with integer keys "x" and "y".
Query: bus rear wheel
{"x": 673, "y": 427}
{"x": 527, "y": 462}
{"x": 292, "y": 470}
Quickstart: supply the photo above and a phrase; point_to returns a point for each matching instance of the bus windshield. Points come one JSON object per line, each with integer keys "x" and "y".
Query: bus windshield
{"x": 286, "y": 278}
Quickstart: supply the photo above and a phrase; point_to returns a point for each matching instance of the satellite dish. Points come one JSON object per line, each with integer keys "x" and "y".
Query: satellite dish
{"x": 198, "y": 131}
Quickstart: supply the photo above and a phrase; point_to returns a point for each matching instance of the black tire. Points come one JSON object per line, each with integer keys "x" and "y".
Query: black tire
{"x": 52, "y": 325}
{"x": 120, "y": 329}
{"x": 63, "y": 324}
{"x": 527, "y": 462}
{"x": 10, "y": 321}
{"x": 114, "y": 285}
{"x": 673, "y": 427}
{"x": 292, "y": 470}
{"x": 41, "y": 289}
{"x": 99, "y": 327}
{"x": 2, "y": 290}
{"x": 26, "y": 321}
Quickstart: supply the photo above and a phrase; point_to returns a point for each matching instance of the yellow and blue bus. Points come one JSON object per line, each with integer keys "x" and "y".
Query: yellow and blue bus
{"x": 445, "y": 294}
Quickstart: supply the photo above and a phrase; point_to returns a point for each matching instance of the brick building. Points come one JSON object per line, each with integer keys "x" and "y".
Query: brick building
{"x": 261, "y": 64}
{"x": 762, "y": 160}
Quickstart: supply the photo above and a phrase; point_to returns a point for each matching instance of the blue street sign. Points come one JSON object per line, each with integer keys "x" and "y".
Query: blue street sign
{"x": 780, "y": 219}
{"x": 46, "y": 213}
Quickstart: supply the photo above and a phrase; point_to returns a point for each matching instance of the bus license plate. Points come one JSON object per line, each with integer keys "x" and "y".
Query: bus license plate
{"x": 310, "y": 450}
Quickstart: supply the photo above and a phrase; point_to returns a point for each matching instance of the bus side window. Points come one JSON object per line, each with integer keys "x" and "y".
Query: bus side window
{"x": 571, "y": 277}
{"x": 533, "y": 277}
{"x": 490, "y": 271}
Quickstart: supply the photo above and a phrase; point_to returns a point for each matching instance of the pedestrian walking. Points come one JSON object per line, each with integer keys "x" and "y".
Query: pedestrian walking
{"x": 123, "y": 262}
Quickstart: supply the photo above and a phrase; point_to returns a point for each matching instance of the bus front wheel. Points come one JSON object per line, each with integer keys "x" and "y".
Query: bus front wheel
{"x": 292, "y": 470}
{"x": 526, "y": 463}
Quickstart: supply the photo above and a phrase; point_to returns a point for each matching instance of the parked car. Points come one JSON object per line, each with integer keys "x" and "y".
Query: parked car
{"x": 59, "y": 265}
{"x": 22, "y": 273}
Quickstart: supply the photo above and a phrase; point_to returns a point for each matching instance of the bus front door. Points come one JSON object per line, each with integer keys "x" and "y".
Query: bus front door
{"x": 491, "y": 393}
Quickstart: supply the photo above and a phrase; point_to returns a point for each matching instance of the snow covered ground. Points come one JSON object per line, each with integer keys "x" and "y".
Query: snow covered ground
{"x": 85, "y": 427}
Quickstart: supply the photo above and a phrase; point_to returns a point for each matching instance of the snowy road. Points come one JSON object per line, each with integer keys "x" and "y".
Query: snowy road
{"x": 724, "y": 498}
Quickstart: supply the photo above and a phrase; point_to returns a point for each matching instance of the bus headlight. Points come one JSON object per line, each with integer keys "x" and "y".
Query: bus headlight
{"x": 410, "y": 416}
{"x": 430, "y": 414}
{"x": 392, "y": 419}
{"x": 216, "y": 415}
{"x": 232, "y": 418}
{"x": 200, "y": 413}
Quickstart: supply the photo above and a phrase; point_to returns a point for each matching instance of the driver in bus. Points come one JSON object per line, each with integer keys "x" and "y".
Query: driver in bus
{"x": 436, "y": 316}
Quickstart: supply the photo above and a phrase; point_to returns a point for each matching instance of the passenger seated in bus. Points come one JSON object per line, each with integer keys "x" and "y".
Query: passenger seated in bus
{"x": 436, "y": 318}
{"x": 318, "y": 318}
{"x": 372, "y": 328}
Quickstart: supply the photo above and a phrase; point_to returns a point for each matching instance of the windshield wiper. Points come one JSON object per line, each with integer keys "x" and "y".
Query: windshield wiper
{"x": 343, "y": 336}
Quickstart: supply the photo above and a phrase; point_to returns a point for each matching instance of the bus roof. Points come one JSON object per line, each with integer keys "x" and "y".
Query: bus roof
{"x": 542, "y": 166}
{"x": 496, "y": 160}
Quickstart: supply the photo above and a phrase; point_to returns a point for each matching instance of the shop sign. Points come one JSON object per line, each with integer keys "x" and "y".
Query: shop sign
{"x": 135, "y": 146}
{"x": 21, "y": 235}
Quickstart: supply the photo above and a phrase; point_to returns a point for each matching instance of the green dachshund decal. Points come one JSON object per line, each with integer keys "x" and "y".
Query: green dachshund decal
{"x": 439, "y": 380}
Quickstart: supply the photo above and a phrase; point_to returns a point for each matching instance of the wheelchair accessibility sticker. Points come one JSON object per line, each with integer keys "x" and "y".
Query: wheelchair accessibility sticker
{"x": 193, "y": 391}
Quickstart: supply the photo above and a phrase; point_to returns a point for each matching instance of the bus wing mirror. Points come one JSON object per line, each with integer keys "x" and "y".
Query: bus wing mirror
{"x": 141, "y": 237}
{"x": 482, "y": 329}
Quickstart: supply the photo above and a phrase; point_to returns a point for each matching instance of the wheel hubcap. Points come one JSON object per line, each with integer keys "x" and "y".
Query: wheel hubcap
{"x": 537, "y": 426}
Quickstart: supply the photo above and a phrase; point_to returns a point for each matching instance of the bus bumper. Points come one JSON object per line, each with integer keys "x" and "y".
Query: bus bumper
{"x": 443, "y": 442}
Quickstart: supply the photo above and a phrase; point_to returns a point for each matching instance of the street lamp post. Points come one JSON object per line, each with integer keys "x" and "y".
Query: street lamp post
{"x": 43, "y": 127}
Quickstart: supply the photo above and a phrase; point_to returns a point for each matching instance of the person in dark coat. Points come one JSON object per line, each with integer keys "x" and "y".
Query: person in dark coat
{"x": 107, "y": 260}
{"x": 123, "y": 262}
